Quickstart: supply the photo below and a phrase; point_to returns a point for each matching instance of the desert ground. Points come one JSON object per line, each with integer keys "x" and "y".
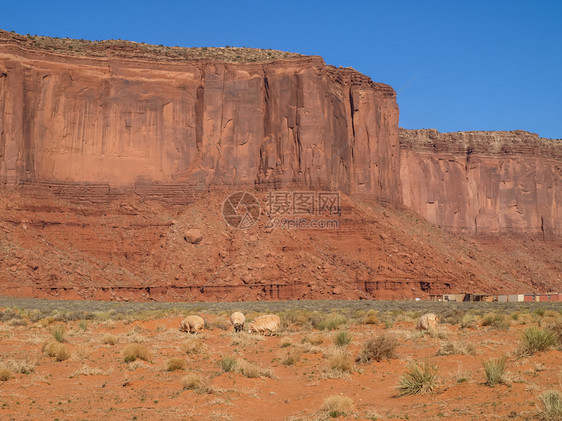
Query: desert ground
{"x": 84, "y": 360}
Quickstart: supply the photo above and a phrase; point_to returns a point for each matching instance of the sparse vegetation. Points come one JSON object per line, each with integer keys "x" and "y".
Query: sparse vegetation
{"x": 58, "y": 333}
{"x": 59, "y": 351}
{"x": 330, "y": 322}
{"x": 293, "y": 356}
{"x": 109, "y": 339}
{"x": 5, "y": 374}
{"x": 133, "y": 352}
{"x": 149, "y": 51}
{"x": 175, "y": 363}
{"x": 382, "y": 347}
{"x": 314, "y": 339}
{"x": 418, "y": 379}
{"x": 193, "y": 345}
{"x": 535, "y": 340}
{"x": 86, "y": 371}
{"x": 371, "y": 318}
{"x": 456, "y": 348}
{"x": 228, "y": 364}
{"x": 556, "y": 330}
{"x": 286, "y": 342}
{"x": 343, "y": 338}
{"x": 197, "y": 383}
{"x": 304, "y": 358}
{"x": 248, "y": 369}
{"x": 337, "y": 406}
{"x": 496, "y": 321}
{"x": 340, "y": 362}
{"x": 494, "y": 369}
{"x": 22, "y": 367}
{"x": 551, "y": 405}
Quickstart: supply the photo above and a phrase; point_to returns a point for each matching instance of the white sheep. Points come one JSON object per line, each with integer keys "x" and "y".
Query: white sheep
{"x": 267, "y": 324}
{"x": 192, "y": 324}
{"x": 428, "y": 321}
{"x": 237, "y": 319}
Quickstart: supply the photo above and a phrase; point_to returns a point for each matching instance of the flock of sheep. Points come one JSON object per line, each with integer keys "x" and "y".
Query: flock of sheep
{"x": 269, "y": 323}
{"x": 266, "y": 325}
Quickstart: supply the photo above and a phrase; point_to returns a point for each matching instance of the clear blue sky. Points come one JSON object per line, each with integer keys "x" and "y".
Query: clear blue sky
{"x": 457, "y": 65}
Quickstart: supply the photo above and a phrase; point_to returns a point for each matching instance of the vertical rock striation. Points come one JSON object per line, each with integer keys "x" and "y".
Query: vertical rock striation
{"x": 483, "y": 182}
{"x": 122, "y": 120}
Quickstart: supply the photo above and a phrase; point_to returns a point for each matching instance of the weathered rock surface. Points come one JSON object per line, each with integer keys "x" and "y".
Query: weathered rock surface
{"x": 483, "y": 182}
{"x": 193, "y": 236}
{"x": 111, "y": 152}
{"x": 119, "y": 121}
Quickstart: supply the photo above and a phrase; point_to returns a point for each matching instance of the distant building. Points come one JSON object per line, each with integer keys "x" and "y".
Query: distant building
{"x": 549, "y": 296}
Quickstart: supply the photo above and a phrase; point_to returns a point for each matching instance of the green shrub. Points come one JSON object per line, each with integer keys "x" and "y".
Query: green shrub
{"x": 469, "y": 321}
{"x": 330, "y": 322}
{"x": 535, "y": 340}
{"x": 418, "y": 379}
{"x": 552, "y": 406}
{"x": 539, "y": 312}
{"x": 495, "y": 320}
{"x": 382, "y": 347}
{"x": 452, "y": 316}
{"x": 556, "y": 330}
{"x": 58, "y": 333}
{"x": 343, "y": 338}
{"x": 494, "y": 369}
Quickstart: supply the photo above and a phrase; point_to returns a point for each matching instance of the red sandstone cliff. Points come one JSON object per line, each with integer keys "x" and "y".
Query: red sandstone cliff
{"x": 111, "y": 124}
{"x": 124, "y": 115}
{"x": 483, "y": 182}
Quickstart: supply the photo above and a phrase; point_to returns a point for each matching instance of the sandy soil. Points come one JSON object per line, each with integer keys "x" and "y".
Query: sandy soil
{"x": 96, "y": 382}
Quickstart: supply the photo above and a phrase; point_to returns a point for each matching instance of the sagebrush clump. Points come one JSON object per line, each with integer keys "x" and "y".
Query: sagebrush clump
{"x": 382, "y": 347}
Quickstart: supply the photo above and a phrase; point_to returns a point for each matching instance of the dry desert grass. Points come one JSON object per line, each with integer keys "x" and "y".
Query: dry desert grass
{"x": 128, "y": 366}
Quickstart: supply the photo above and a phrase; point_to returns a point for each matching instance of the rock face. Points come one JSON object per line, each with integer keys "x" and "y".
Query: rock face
{"x": 114, "y": 154}
{"x": 483, "y": 182}
{"x": 119, "y": 121}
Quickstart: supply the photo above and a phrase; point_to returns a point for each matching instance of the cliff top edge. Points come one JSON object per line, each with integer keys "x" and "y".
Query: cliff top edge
{"x": 140, "y": 50}
{"x": 488, "y": 142}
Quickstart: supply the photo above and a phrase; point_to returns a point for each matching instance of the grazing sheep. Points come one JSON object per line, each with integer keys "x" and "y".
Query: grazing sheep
{"x": 428, "y": 322}
{"x": 192, "y": 324}
{"x": 266, "y": 325}
{"x": 237, "y": 319}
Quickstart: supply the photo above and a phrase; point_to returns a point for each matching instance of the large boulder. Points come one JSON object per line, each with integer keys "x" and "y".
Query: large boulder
{"x": 428, "y": 321}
